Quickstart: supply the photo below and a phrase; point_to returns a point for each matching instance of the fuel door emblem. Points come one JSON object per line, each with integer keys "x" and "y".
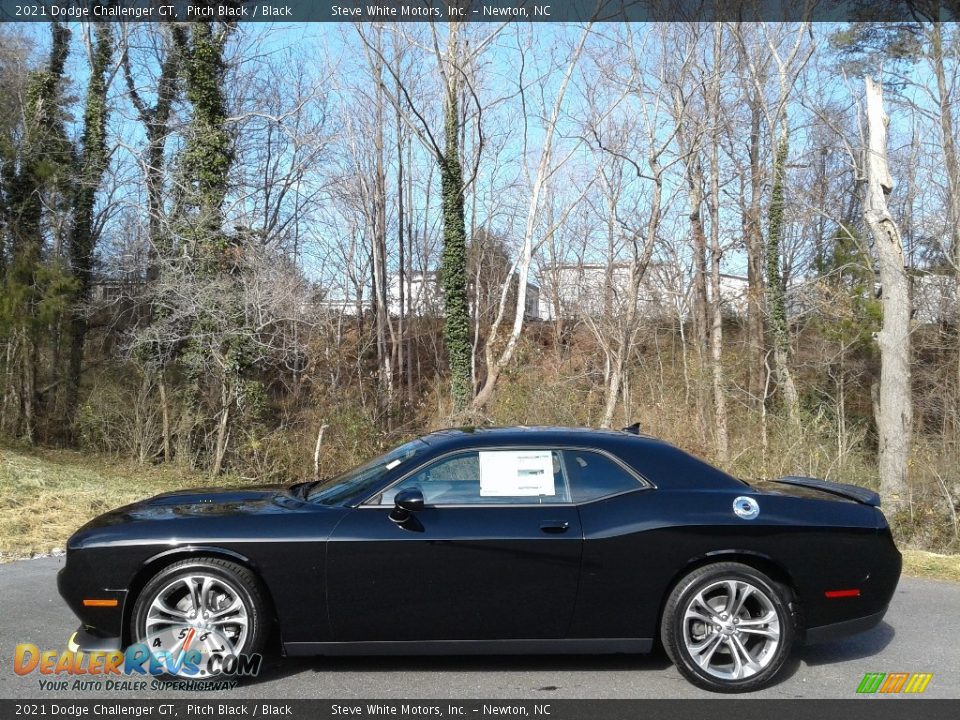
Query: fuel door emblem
{"x": 746, "y": 507}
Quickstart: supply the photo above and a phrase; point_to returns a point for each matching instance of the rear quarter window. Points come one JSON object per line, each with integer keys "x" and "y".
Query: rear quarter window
{"x": 593, "y": 475}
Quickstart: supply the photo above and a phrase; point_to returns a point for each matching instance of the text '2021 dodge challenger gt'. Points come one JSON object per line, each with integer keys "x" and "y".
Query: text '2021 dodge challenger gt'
{"x": 496, "y": 540}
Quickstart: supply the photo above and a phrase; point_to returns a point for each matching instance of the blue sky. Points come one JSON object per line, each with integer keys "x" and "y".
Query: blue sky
{"x": 325, "y": 45}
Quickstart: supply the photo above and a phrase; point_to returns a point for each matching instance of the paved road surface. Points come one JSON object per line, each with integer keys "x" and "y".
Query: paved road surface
{"x": 918, "y": 635}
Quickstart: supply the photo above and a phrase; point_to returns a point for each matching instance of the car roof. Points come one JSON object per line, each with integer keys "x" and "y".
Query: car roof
{"x": 661, "y": 463}
{"x": 523, "y": 435}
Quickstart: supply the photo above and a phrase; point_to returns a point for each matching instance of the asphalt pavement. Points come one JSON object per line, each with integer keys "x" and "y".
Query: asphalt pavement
{"x": 918, "y": 635}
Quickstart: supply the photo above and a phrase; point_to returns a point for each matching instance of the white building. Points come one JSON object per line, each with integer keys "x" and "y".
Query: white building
{"x": 423, "y": 297}
{"x": 579, "y": 289}
{"x": 934, "y": 298}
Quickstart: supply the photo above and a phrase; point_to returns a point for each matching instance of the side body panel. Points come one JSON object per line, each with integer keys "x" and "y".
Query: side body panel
{"x": 457, "y": 573}
{"x": 636, "y": 546}
{"x": 281, "y": 540}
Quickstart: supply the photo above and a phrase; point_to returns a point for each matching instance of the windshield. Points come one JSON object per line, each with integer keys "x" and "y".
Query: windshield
{"x": 360, "y": 482}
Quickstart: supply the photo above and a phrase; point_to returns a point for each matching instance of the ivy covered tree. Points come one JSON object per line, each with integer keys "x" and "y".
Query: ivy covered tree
{"x": 202, "y": 289}
{"x": 35, "y": 293}
{"x": 208, "y": 153}
{"x": 91, "y": 165}
{"x": 776, "y": 290}
{"x": 456, "y": 327}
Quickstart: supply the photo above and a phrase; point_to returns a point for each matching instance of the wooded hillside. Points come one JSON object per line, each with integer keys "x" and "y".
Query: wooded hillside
{"x": 276, "y": 250}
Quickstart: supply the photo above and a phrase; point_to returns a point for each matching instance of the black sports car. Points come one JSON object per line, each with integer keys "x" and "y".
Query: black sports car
{"x": 500, "y": 540}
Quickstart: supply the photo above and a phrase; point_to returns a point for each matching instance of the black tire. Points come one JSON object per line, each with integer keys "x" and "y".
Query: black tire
{"x": 248, "y": 589}
{"x": 675, "y": 632}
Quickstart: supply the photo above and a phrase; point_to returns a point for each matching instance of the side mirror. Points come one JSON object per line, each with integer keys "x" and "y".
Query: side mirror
{"x": 405, "y": 504}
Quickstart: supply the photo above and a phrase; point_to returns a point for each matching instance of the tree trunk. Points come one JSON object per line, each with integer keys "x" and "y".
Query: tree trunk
{"x": 614, "y": 383}
{"x": 689, "y": 144}
{"x": 8, "y": 388}
{"x": 456, "y": 328}
{"x": 895, "y": 406}
{"x": 400, "y": 344}
{"x": 154, "y": 120}
{"x": 753, "y": 235}
{"x": 408, "y": 275}
{"x": 29, "y": 393}
{"x": 164, "y": 413}
{"x": 83, "y": 238}
{"x": 379, "y": 211}
{"x": 223, "y": 428}
{"x": 316, "y": 451}
{"x": 776, "y": 292}
{"x": 699, "y": 236}
{"x": 716, "y": 333}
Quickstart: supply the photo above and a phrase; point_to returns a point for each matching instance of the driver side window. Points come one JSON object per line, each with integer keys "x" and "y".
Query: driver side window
{"x": 512, "y": 477}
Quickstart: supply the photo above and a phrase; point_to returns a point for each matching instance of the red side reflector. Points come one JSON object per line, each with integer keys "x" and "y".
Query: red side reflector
{"x": 855, "y": 592}
{"x": 99, "y": 603}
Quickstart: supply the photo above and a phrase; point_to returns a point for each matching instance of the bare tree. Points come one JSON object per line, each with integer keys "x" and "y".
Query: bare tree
{"x": 499, "y": 353}
{"x": 789, "y": 62}
{"x": 659, "y": 124}
{"x": 895, "y": 407}
{"x": 714, "y": 111}
{"x": 688, "y": 109}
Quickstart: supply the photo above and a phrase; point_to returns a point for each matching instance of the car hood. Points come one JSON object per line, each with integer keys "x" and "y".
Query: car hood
{"x": 219, "y": 496}
{"x": 222, "y": 515}
{"x": 202, "y": 503}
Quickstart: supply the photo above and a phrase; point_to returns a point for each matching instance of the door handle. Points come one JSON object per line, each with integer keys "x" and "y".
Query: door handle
{"x": 554, "y": 527}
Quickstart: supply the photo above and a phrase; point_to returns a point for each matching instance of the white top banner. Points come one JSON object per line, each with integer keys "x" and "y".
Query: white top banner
{"x": 513, "y": 473}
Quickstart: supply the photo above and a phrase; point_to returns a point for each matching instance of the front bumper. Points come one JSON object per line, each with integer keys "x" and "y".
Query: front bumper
{"x": 86, "y": 639}
{"x": 75, "y": 583}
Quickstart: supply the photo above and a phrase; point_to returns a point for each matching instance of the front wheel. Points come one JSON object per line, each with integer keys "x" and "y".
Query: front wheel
{"x": 198, "y": 616}
{"x": 727, "y": 627}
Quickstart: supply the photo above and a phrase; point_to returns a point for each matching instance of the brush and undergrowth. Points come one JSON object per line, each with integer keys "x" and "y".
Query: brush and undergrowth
{"x": 45, "y": 494}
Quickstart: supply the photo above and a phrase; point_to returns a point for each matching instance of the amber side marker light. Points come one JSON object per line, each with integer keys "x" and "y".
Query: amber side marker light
{"x": 93, "y": 602}
{"x": 853, "y": 592}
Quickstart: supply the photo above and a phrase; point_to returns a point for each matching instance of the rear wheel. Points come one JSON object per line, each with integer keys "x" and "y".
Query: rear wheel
{"x": 727, "y": 627}
{"x": 208, "y": 605}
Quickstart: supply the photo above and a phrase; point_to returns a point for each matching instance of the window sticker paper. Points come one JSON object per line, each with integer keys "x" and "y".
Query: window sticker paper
{"x": 516, "y": 473}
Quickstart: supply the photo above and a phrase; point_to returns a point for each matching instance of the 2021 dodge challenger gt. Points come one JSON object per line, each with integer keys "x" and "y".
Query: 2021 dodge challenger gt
{"x": 496, "y": 540}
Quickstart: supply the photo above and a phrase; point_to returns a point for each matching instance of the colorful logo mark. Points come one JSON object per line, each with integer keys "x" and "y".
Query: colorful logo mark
{"x": 190, "y": 659}
{"x": 891, "y": 683}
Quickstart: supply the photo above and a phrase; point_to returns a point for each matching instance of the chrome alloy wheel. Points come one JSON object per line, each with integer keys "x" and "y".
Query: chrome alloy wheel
{"x": 731, "y": 629}
{"x": 197, "y": 612}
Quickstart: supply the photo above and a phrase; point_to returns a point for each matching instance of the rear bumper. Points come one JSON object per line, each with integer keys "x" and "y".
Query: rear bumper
{"x": 824, "y": 633}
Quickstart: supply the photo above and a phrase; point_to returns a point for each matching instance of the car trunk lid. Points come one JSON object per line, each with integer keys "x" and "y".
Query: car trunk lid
{"x": 862, "y": 495}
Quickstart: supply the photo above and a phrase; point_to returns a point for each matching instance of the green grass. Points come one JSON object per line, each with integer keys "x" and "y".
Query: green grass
{"x": 920, "y": 563}
{"x": 45, "y": 495}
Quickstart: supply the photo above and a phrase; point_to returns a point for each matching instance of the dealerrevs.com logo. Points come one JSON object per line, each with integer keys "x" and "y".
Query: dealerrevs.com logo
{"x": 894, "y": 683}
{"x": 198, "y": 658}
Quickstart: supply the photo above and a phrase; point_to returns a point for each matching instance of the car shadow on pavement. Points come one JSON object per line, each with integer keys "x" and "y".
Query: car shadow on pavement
{"x": 844, "y": 648}
{"x": 276, "y": 667}
{"x": 854, "y": 647}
